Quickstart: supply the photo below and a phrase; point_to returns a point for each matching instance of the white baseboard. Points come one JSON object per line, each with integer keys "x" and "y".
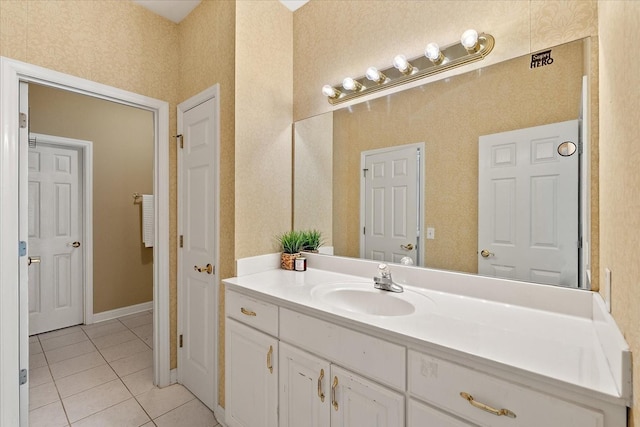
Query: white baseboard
{"x": 123, "y": 311}
{"x": 219, "y": 414}
{"x": 173, "y": 376}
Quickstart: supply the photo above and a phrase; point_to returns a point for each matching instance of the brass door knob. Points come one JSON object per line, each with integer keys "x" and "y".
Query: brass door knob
{"x": 408, "y": 247}
{"x": 33, "y": 260}
{"x": 208, "y": 268}
{"x": 76, "y": 244}
{"x": 486, "y": 254}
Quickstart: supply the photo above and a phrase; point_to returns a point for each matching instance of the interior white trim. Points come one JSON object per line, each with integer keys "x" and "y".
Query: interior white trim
{"x": 11, "y": 73}
{"x": 212, "y": 92}
{"x": 86, "y": 152}
{"x": 122, "y": 311}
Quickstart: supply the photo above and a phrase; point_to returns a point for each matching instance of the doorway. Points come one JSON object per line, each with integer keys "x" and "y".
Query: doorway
{"x": 13, "y": 224}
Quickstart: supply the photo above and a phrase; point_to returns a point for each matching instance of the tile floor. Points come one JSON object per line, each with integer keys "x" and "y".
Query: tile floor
{"x": 101, "y": 375}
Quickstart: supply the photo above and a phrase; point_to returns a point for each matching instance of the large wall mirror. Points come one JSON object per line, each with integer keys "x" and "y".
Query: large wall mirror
{"x": 492, "y": 168}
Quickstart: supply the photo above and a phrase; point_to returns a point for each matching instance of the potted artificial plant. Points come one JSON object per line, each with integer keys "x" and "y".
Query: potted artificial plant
{"x": 291, "y": 243}
{"x": 312, "y": 240}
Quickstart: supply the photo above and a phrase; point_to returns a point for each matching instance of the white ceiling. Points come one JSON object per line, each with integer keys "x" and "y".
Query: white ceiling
{"x": 177, "y": 10}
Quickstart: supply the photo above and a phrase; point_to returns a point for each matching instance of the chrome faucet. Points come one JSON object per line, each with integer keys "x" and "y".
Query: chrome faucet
{"x": 384, "y": 281}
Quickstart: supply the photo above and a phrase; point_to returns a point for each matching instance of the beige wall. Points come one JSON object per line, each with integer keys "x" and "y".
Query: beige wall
{"x": 449, "y": 116}
{"x": 619, "y": 176}
{"x": 122, "y": 139}
{"x": 207, "y": 52}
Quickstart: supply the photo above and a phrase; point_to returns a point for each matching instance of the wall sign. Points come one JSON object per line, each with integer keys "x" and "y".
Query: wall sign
{"x": 541, "y": 59}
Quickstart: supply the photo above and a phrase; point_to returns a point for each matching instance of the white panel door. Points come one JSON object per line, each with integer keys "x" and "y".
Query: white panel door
{"x": 359, "y": 402}
{"x": 528, "y": 219}
{"x": 55, "y": 233}
{"x": 198, "y": 277}
{"x": 390, "y": 204}
{"x": 304, "y": 389}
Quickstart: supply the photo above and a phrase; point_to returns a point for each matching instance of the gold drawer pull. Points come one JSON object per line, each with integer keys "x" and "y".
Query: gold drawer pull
{"x": 320, "y": 393}
{"x": 494, "y": 411}
{"x": 334, "y": 402}
{"x": 247, "y": 312}
{"x": 269, "y": 364}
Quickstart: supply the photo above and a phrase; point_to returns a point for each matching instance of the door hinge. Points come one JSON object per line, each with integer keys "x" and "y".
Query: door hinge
{"x": 23, "y": 376}
{"x": 22, "y": 248}
{"x": 364, "y": 173}
{"x": 580, "y": 243}
{"x": 364, "y": 230}
{"x": 23, "y": 120}
{"x": 181, "y": 140}
{"x": 181, "y": 241}
{"x": 180, "y": 340}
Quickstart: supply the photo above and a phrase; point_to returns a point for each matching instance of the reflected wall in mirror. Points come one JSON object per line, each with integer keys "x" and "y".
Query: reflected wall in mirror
{"x": 448, "y": 116}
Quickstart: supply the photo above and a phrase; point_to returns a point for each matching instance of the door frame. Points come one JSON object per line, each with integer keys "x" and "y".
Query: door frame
{"x": 420, "y": 252}
{"x": 86, "y": 178}
{"x": 212, "y": 92}
{"x": 13, "y": 268}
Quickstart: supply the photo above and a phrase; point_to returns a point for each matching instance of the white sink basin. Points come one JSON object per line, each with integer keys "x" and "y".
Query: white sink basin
{"x": 365, "y": 299}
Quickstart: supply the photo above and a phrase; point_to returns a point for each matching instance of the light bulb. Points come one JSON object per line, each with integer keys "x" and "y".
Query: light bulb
{"x": 330, "y": 91}
{"x": 432, "y": 51}
{"x": 374, "y": 75}
{"x": 401, "y": 63}
{"x": 469, "y": 40}
{"x": 349, "y": 84}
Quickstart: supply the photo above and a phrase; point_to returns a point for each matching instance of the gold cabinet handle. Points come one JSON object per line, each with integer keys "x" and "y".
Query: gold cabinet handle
{"x": 334, "y": 402}
{"x": 487, "y": 408}
{"x": 247, "y": 312}
{"x": 269, "y": 364}
{"x": 208, "y": 268}
{"x": 320, "y": 393}
{"x": 486, "y": 254}
{"x": 33, "y": 260}
{"x": 408, "y": 247}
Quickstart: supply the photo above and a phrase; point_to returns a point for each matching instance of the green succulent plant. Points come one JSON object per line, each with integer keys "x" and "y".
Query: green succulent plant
{"x": 291, "y": 242}
{"x": 312, "y": 240}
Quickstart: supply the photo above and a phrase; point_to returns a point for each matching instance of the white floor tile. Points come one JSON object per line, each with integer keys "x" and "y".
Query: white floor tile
{"x": 134, "y": 363}
{"x": 94, "y": 400}
{"x": 139, "y": 382}
{"x": 192, "y": 414}
{"x": 42, "y": 395}
{"x": 136, "y": 320}
{"x": 149, "y": 424}
{"x": 39, "y": 376}
{"x": 114, "y": 339}
{"x": 76, "y": 364}
{"x": 102, "y": 330}
{"x": 85, "y": 380}
{"x": 98, "y": 324}
{"x": 69, "y": 351}
{"x": 33, "y": 338}
{"x": 51, "y": 415}
{"x": 159, "y": 401}
{"x": 144, "y": 331}
{"x": 125, "y": 414}
{"x": 58, "y": 333}
{"x": 125, "y": 349}
{"x": 35, "y": 348}
{"x": 37, "y": 361}
{"x": 64, "y": 340}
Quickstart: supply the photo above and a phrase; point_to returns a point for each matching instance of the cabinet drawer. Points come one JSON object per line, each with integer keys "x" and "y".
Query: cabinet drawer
{"x": 440, "y": 383}
{"x": 259, "y": 314}
{"x": 420, "y": 415}
{"x": 378, "y": 359}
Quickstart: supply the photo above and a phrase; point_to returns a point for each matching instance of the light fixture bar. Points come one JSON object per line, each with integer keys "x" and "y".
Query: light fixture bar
{"x": 456, "y": 55}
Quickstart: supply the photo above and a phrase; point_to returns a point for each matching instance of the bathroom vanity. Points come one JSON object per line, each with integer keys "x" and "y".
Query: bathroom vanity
{"x": 324, "y": 348}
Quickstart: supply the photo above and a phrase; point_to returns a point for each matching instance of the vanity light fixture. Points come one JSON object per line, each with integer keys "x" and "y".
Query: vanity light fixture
{"x": 401, "y": 63}
{"x": 330, "y": 92}
{"x": 351, "y": 84}
{"x": 433, "y": 53}
{"x": 375, "y": 76}
{"x": 471, "y": 47}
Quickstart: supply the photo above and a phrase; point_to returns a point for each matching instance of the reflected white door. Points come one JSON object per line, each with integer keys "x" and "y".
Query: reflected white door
{"x": 390, "y": 201}
{"x": 528, "y": 218}
{"x": 197, "y": 280}
{"x": 55, "y": 233}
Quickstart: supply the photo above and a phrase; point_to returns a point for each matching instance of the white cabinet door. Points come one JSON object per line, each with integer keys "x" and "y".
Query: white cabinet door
{"x": 305, "y": 382}
{"x": 251, "y": 377}
{"x": 421, "y": 415}
{"x": 358, "y": 402}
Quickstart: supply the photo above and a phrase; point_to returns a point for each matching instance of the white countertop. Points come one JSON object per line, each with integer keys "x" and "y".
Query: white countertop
{"x": 552, "y": 345}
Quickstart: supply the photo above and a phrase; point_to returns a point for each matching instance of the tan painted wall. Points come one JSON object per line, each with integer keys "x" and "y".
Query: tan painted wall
{"x": 122, "y": 139}
{"x": 619, "y": 26}
{"x": 449, "y": 116}
{"x": 207, "y": 52}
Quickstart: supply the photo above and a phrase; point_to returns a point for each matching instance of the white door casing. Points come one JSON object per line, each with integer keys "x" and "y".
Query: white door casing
{"x": 13, "y": 225}
{"x": 391, "y": 208}
{"x": 55, "y": 225}
{"x": 198, "y": 257}
{"x": 528, "y": 217}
